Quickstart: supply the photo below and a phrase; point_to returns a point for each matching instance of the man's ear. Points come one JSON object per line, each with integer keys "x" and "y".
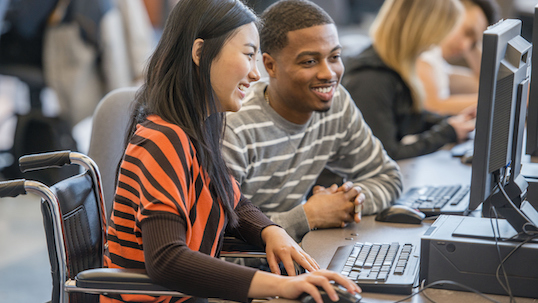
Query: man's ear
{"x": 270, "y": 64}
{"x": 197, "y": 50}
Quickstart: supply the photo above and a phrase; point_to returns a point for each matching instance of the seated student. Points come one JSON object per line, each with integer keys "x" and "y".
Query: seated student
{"x": 450, "y": 88}
{"x": 301, "y": 121}
{"x": 383, "y": 80}
{"x": 175, "y": 196}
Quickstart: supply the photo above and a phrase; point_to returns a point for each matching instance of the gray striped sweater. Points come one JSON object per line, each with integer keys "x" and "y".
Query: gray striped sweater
{"x": 277, "y": 162}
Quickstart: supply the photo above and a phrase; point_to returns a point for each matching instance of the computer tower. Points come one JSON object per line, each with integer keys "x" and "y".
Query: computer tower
{"x": 462, "y": 249}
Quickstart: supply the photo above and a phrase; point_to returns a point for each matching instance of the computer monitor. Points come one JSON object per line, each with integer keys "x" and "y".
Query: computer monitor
{"x": 532, "y": 109}
{"x": 504, "y": 79}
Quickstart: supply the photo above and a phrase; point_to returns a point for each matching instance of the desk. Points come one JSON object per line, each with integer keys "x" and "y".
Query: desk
{"x": 436, "y": 168}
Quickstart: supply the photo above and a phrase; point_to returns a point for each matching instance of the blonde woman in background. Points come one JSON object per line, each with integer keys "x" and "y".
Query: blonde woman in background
{"x": 450, "y": 88}
{"x": 384, "y": 83}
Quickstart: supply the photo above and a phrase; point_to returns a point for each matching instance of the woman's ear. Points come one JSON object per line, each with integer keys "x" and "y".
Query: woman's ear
{"x": 197, "y": 50}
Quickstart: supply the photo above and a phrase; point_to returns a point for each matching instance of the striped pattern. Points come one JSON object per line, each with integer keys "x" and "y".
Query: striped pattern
{"x": 160, "y": 175}
{"x": 277, "y": 162}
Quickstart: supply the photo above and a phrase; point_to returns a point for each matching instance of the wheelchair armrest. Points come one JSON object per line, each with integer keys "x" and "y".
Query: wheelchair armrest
{"x": 115, "y": 279}
{"x": 235, "y": 248}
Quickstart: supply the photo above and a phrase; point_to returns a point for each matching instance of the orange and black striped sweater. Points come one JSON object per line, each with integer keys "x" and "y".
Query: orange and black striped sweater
{"x": 165, "y": 221}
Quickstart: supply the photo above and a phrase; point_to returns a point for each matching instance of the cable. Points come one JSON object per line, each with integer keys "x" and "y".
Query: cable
{"x": 424, "y": 292}
{"x": 497, "y": 231}
{"x": 530, "y": 235}
{"x": 451, "y": 283}
{"x": 510, "y": 254}
{"x": 506, "y": 286}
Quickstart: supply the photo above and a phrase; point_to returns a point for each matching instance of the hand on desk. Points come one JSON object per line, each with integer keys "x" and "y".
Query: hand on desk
{"x": 280, "y": 247}
{"x": 464, "y": 123}
{"x": 334, "y": 206}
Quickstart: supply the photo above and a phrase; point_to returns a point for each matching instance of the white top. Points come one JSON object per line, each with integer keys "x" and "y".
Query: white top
{"x": 441, "y": 69}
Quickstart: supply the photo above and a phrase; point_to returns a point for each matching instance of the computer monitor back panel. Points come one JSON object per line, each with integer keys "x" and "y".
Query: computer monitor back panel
{"x": 503, "y": 76}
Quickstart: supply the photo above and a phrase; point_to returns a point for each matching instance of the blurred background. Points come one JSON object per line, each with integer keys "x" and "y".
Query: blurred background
{"x": 58, "y": 58}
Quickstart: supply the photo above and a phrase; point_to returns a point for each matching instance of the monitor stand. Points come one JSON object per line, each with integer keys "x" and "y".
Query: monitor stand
{"x": 483, "y": 229}
{"x": 530, "y": 171}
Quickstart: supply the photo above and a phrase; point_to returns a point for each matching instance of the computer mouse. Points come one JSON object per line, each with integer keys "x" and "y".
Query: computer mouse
{"x": 343, "y": 296}
{"x": 400, "y": 214}
{"x": 467, "y": 158}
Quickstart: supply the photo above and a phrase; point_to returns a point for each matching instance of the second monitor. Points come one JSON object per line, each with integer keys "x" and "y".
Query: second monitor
{"x": 504, "y": 79}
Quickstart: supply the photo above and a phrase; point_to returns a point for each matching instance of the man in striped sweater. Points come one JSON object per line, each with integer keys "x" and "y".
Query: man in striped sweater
{"x": 301, "y": 121}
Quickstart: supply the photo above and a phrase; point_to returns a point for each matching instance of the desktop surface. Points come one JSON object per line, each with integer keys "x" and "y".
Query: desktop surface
{"x": 436, "y": 168}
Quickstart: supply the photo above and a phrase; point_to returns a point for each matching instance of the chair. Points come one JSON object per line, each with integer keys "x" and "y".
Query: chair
{"x": 74, "y": 220}
{"x": 109, "y": 129}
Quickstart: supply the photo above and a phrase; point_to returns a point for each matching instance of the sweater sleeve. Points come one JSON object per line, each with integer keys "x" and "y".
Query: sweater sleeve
{"x": 376, "y": 94}
{"x": 169, "y": 262}
{"x": 362, "y": 160}
{"x": 294, "y": 221}
{"x": 251, "y": 223}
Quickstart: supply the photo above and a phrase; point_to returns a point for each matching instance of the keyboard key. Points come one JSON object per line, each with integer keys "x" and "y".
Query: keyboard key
{"x": 364, "y": 274}
{"x": 399, "y": 270}
{"x": 369, "y": 278}
{"x": 383, "y": 276}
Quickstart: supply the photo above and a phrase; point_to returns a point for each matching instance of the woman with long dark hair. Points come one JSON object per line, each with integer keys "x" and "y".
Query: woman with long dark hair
{"x": 175, "y": 197}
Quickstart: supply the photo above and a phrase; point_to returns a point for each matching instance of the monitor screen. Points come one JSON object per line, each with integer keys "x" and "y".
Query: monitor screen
{"x": 499, "y": 127}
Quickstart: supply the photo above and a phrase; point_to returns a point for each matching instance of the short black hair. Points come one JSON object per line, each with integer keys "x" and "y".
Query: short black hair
{"x": 285, "y": 16}
{"x": 490, "y": 8}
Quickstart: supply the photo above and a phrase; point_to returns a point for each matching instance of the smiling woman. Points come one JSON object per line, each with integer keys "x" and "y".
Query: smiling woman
{"x": 234, "y": 68}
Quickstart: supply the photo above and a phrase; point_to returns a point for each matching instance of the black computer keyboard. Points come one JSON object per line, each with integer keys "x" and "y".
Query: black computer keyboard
{"x": 435, "y": 200}
{"x": 379, "y": 267}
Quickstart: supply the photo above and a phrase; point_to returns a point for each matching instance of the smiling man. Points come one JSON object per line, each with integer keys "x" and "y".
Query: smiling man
{"x": 301, "y": 121}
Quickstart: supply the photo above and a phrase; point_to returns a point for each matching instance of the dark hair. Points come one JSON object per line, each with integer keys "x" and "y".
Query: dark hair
{"x": 179, "y": 91}
{"x": 490, "y": 8}
{"x": 285, "y": 16}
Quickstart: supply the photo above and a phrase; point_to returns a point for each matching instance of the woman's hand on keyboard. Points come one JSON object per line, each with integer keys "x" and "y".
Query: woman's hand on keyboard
{"x": 280, "y": 247}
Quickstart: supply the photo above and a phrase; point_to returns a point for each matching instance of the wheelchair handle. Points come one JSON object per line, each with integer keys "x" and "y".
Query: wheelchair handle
{"x": 44, "y": 160}
{"x": 12, "y": 188}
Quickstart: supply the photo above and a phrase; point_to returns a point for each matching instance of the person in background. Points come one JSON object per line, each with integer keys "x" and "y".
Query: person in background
{"x": 175, "y": 197}
{"x": 384, "y": 83}
{"x": 448, "y": 88}
{"x": 300, "y": 121}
